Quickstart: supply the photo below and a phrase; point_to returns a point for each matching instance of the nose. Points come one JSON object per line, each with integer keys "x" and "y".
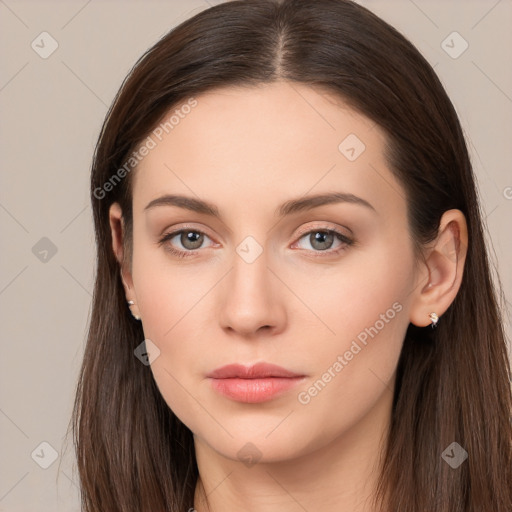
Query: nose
{"x": 251, "y": 299}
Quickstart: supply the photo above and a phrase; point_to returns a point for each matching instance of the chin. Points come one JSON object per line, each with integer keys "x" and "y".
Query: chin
{"x": 265, "y": 445}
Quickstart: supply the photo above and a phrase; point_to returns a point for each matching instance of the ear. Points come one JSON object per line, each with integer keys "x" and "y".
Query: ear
{"x": 442, "y": 270}
{"x": 117, "y": 231}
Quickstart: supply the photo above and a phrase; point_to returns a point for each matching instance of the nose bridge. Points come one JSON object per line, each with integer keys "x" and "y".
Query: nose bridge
{"x": 250, "y": 297}
{"x": 250, "y": 276}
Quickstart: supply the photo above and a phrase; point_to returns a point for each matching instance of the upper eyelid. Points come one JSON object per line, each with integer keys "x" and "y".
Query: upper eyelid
{"x": 174, "y": 232}
{"x": 324, "y": 228}
{"x": 300, "y": 232}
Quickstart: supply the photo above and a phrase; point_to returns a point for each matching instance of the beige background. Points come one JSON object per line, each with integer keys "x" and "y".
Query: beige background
{"x": 52, "y": 110}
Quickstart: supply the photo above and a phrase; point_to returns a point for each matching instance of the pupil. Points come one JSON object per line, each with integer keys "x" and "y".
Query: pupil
{"x": 192, "y": 237}
{"x": 324, "y": 238}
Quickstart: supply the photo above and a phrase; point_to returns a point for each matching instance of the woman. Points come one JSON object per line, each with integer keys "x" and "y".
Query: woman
{"x": 293, "y": 305}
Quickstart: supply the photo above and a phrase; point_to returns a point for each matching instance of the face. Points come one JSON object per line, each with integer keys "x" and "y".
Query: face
{"x": 320, "y": 287}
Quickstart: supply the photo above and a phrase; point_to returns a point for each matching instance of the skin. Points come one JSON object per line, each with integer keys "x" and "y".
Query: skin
{"x": 248, "y": 150}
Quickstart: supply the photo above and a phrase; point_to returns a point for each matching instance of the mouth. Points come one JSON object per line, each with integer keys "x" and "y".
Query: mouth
{"x": 253, "y": 384}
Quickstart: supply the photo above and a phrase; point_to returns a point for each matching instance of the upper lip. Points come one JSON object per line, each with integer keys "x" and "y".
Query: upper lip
{"x": 256, "y": 371}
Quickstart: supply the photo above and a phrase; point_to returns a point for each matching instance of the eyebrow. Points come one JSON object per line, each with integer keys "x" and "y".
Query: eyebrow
{"x": 288, "y": 208}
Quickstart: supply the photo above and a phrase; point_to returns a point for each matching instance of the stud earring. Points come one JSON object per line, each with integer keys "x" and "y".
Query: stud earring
{"x": 131, "y": 303}
{"x": 433, "y": 318}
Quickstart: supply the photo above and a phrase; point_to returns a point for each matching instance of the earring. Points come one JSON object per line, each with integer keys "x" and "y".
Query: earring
{"x": 433, "y": 318}
{"x": 131, "y": 303}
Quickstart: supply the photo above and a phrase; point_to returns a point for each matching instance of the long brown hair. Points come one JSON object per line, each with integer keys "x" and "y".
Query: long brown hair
{"x": 453, "y": 383}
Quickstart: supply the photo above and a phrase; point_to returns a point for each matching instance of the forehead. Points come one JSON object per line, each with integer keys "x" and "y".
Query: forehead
{"x": 247, "y": 145}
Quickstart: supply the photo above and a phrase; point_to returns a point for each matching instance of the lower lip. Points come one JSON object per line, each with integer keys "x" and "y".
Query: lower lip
{"x": 254, "y": 390}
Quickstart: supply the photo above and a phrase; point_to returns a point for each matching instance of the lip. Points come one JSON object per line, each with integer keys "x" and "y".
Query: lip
{"x": 253, "y": 384}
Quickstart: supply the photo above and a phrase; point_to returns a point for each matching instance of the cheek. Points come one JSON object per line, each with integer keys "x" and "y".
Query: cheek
{"x": 353, "y": 371}
{"x": 362, "y": 351}
{"x": 364, "y": 307}
{"x": 172, "y": 300}
{"x": 366, "y": 292}
{"x": 171, "y": 303}
{"x": 167, "y": 292}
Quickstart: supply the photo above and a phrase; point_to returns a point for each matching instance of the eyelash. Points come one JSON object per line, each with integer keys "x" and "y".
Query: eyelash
{"x": 185, "y": 254}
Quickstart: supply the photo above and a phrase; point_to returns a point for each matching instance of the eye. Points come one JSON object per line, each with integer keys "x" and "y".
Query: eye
{"x": 190, "y": 240}
{"x": 322, "y": 240}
